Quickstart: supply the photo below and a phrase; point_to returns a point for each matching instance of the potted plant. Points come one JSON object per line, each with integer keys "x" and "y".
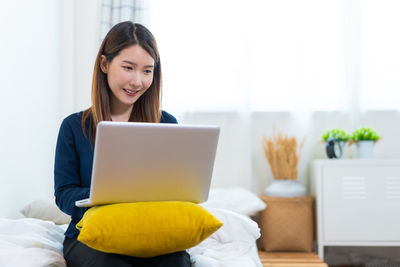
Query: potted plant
{"x": 365, "y": 138}
{"x": 282, "y": 156}
{"x": 335, "y": 140}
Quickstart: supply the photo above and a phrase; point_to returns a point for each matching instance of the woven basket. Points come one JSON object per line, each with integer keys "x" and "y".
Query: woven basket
{"x": 287, "y": 224}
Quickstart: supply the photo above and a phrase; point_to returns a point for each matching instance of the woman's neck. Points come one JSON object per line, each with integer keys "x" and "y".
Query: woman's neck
{"x": 121, "y": 112}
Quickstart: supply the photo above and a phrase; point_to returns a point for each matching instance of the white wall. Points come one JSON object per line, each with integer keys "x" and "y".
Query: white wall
{"x": 47, "y": 55}
{"x": 29, "y": 78}
{"x": 86, "y": 47}
{"x": 79, "y": 44}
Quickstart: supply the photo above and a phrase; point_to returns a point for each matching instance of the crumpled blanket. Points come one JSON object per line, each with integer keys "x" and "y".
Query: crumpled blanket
{"x": 232, "y": 245}
{"x": 31, "y": 242}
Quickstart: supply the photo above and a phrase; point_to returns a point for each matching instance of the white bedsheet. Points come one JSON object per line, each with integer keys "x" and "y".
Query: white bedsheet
{"x": 32, "y": 242}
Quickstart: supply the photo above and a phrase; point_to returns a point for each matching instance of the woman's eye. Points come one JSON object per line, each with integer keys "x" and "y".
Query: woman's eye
{"x": 127, "y": 68}
{"x": 148, "y": 71}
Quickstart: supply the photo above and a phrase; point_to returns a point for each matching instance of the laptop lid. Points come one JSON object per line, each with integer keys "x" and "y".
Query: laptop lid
{"x": 136, "y": 162}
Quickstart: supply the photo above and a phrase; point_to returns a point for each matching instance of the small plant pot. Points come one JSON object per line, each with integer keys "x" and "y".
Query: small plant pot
{"x": 334, "y": 148}
{"x": 365, "y": 149}
{"x": 285, "y": 188}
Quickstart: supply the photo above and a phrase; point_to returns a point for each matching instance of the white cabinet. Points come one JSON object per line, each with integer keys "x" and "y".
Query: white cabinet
{"x": 357, "y": 202}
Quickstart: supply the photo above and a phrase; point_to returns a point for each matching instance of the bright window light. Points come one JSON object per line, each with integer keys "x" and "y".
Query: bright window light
{"x": 276, "y": 55}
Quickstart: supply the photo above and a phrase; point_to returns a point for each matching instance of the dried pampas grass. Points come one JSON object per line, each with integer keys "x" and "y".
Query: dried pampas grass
{"x": 282, "y": 157}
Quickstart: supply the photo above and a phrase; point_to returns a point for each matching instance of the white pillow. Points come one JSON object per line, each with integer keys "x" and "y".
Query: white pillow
{"x": 235, "y": 199}
{"x": 45, "y": 209}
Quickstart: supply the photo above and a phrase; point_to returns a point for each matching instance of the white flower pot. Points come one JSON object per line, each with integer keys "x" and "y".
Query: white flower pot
{"x": 365, "y": 149}
{"x": 341, "y": 144}
{"x": 285, "y": 188}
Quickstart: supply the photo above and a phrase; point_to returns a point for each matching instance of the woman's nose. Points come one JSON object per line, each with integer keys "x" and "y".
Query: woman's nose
{"x": 135, "y": 79}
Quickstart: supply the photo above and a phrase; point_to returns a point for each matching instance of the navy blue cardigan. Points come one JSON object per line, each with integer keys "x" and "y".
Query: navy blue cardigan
{"x": 73, "y": 167}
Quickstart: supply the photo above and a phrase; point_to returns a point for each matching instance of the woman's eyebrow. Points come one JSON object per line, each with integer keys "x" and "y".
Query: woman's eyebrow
{"x": 134, "y": 64}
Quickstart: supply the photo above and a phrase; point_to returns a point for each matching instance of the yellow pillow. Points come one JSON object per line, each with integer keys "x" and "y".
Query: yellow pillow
{"x": 146, "y": 229}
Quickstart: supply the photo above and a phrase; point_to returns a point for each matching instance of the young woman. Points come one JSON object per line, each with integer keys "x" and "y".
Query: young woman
{"x": 126, "y": 87}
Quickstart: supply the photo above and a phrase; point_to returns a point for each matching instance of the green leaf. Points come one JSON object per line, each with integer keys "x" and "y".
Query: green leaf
{"x": 364, "y": 134}
{"x": 335, "y": 133}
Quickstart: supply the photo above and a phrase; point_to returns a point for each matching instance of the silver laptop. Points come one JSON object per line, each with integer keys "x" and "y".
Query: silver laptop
{"x": 136, "y": 162}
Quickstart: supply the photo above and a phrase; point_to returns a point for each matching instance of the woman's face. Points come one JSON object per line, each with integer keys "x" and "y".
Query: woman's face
{"x": 129, "y": 75}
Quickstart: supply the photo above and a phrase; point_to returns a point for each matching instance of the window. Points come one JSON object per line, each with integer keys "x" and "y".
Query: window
{"x": 278, "y": 55}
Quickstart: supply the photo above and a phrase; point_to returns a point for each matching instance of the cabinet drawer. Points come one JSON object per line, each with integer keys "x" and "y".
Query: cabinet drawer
{"x": 360, "y": 203}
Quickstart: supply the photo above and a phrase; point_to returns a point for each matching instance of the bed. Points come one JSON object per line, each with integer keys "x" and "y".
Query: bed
{"x": 36, "y": 240}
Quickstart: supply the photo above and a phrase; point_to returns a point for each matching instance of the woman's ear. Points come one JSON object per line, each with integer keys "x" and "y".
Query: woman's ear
{"x": 103, "y": 64}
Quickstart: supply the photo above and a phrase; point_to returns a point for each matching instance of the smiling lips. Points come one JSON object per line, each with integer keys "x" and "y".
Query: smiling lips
{"x": 130, "y": 92}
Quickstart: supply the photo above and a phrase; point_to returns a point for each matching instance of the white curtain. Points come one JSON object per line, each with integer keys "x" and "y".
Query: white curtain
{"x": 115, "y": 11}
{"x": 300, "y": 67}
{"x": 281, "y": 55}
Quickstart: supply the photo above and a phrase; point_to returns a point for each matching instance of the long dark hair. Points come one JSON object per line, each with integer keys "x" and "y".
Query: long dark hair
{"x": 148, "y": 107}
